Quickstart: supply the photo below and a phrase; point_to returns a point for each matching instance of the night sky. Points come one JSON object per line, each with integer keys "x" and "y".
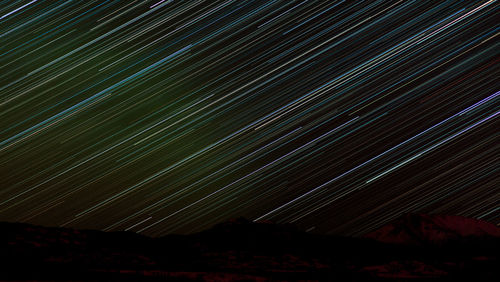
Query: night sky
{"x": 171, "y": 116}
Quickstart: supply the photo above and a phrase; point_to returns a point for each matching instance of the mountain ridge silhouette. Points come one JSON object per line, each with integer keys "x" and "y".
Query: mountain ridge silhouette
{"x": 239, "y": 250}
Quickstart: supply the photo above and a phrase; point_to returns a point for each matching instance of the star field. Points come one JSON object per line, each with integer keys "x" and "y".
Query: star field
{"x": 171, "y": 116}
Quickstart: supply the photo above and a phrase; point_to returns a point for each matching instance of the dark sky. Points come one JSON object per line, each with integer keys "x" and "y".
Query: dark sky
{"x": 171, "y": 116}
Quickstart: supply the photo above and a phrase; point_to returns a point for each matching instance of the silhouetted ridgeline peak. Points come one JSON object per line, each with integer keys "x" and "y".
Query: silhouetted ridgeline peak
{"x": 422, "y": 229}
{"x": 243, "y": 250}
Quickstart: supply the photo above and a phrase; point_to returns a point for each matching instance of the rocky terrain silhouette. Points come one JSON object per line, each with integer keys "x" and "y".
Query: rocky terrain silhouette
{"x": 414, "y": 247}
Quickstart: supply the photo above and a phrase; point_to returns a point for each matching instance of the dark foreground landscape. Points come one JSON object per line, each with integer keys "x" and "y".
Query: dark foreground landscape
{"x": 413, "y": 248}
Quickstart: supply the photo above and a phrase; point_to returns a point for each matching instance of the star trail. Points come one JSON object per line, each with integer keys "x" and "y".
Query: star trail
{"x": 166, "y": 117}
